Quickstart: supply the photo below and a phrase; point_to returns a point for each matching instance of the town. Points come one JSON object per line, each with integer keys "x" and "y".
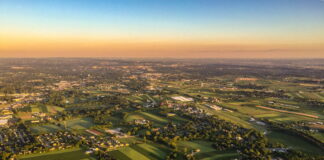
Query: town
{"x": 75, "y": 108}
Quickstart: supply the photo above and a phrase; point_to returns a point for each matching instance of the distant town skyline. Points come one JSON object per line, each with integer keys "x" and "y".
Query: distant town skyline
{"x": 162, "y": 28}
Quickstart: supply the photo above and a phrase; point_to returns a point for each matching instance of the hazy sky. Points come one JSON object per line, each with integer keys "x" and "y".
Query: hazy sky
{"x": 162, "y": 28}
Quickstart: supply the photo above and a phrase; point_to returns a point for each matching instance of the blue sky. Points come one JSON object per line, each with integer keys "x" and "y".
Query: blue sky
{"x": 264, "y": 21}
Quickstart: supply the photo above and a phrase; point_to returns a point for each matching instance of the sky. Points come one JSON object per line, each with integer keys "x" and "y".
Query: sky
{"x": 162, "y": 28}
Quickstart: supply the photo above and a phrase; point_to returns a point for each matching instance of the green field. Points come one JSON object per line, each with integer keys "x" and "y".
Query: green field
{"x": 69, "y": 154}
{"x": 207, "y": 152}
{"x": 35, "y": 109}
{"x": 151, "y": 151}
{"x": 145, "y": 151}
{"x": 233, "y": 117}
{"x": 78, "y": 123}
{"x": 131, "y": 140}
{"x": 319, "y": 136}
{"x": 25, "y": 116}
{"x": 218, "y": 155}
{"x": 128, "y": 153}
{"x": 3, "y": 106}
{"x": 294, "y": 142}
{"x": 157, "y": 120}
{"x": 43, "y": 108}
{"x": 48, "y": 128}
{"x": 204, "y": 146}
{"x": 74, "y": 124}
{"x": 54, "y": 109}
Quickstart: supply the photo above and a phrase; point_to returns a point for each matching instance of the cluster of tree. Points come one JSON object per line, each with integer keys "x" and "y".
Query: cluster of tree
{"x": 136, "y": 85}
{"x": 225, "y": 135}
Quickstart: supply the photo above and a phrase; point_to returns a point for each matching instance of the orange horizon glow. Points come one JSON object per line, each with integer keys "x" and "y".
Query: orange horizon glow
{"x": 195, "y": 30}
{"x": 44, "y": 46}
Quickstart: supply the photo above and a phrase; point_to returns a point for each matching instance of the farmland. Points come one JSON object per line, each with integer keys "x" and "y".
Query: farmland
{"x": 124, "y": 109}
{"x": 294, "y": 142}
{"x": 78, "y": 123}
{"x": 141, "y": 151}
{"x": 59, "y": 155}
{"x": 207, "y": 152}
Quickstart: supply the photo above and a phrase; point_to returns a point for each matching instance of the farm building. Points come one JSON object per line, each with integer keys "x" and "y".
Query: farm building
{"x": 182, "y": 99}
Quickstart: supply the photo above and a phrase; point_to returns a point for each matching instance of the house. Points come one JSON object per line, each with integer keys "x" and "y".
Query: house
{"x": 3, "y": 122}
{"x": 171, "y": 114}
{"x": 94, "y": 132}
{"x": 141, "y": 121}
{"x": 217, "y": 108}
{"x": 7, "y": 112}
{"x": 5, "y": 116}
{"x": 182, "y": 99}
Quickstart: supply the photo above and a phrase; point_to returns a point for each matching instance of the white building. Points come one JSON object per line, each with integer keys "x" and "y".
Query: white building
{"x": 182, "y": 99}
{"x": 3, "y": 122}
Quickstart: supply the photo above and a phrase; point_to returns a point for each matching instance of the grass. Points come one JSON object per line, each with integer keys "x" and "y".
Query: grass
{"x": 157, "y": 120}
{"x": 54, "y": 109}
{"x": 130, "y": 153}
{"x": 119, "y": 155}
{"x": 312, "y": 95}
{"x": 25, "y": 116}
{"x": 131, "y": 140}
{"x": 207, "y": 152}
{"x": 141, "y": 151}
{"x": 234, "y": 117}
{"x": 294, "y": 142}
{"x": 78, "y": 123}
{"x": 319, "y": 136}
{"x": 69, "y": 154}
{"x": 43, "y": 108}
{"x": 35, "y": 109}
{"x": 204, "y": 146}
{"x": 150, "y": 150}
{"x": 49, "y": 128}
{"x": 271, "y": 115}
{"x": 219, "y": 155}
{"x": 4, "y": 106}
{"x": 116, "y": 120}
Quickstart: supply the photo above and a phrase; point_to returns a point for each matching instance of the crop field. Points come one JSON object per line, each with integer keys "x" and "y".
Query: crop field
{"x": 131, "y": 140}
{"x": 207, "y": 152}
{"x": 151, "y": 151}
{"x": 137, "y": 99}
{"x": 319, "y": 136}
{"x": 69, "y": 154}
{"x": 49, "y": 128}
{"x": 79, "y": 123}
{"x": 204, "y": 146}
{"x": 43, "y": 108}
{"x": 218, "y": 155}
{"x": 3, "y": 106}
{"x": 233, "y": 117}
{"x": 157, "y": 120}
{"x": 128, "y": 153}
{"x": 145, "y": 151}
{"x": 35, "y": 109}
{"x": 312, "y": 95}
{"x": 25, "y": 115}
{"x": 284, "y": 111}
{"x": 272, "y": 114}
{"x": 54, "y": 109}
